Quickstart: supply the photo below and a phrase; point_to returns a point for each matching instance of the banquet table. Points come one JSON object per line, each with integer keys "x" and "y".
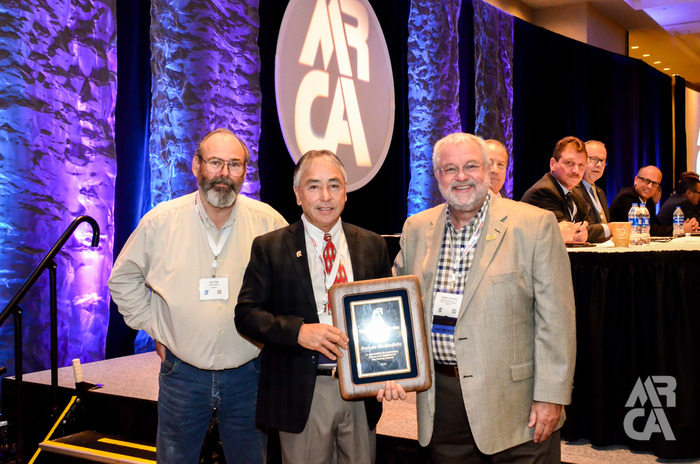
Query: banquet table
{"x": 638, "y": 332}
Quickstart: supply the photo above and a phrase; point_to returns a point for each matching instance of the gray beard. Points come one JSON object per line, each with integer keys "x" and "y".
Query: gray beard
{"x": 216, "y": 196}
{"x": 221, "y": 199}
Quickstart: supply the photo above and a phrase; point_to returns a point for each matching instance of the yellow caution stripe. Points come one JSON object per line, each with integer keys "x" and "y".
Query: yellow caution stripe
{"x": 63, "y": 414}
{"x": 105, "y": 454}
{"x": 127, "y": 444}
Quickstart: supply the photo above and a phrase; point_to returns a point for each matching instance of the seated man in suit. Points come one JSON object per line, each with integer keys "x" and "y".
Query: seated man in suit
{"x": 283, "y": 304}
{"x": 498, "y": 165}
{"x": 555, "y": 192}
{"x": 598, "y": 212}
{"x": 646, "y": 184}
{"x": 686, "y": 195}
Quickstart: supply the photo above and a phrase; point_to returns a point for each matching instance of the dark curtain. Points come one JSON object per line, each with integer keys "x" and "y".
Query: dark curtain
{"x": 564, "y": 87}
{"x": 132, "y": 186}
{"x": 681, "y": 153}
{"x": 467, "y": 110}
{"x": 381, "y": 204}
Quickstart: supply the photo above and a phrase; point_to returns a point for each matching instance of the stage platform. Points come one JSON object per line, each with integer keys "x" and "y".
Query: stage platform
{"x": 126, "y": 407}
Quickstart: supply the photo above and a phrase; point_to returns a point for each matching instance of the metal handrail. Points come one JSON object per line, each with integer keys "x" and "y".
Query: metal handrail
{"x": 13, "y": 308}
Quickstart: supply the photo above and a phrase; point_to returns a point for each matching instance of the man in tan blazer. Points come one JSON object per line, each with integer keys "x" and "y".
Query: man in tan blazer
{"x": 499, "y": 309}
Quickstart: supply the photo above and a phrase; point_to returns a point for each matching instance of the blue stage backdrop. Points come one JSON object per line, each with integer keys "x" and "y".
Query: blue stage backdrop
{"x": 493, "y": 86}
{"x": 433, "y": 92}
{"x": 205, "y": 74}
{"x": 57, "y": 162}
{"x": 57, "y": 106}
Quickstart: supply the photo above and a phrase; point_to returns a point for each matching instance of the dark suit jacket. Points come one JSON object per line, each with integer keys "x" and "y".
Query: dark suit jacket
{"x": 666, "y": 211}
{"x": 620, "y": 207}
{"x": 548, "y": 194}
{"x": 275, "y": 299}
{"x": 594, "y": 215}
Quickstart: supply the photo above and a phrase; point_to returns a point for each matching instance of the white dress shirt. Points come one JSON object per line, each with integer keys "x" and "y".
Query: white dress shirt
{"x": 314, "y": 254}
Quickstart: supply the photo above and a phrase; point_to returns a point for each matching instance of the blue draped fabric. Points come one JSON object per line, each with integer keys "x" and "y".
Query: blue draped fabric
{"x": 493, "y": 87}
{"x": 433, "y": 98}
{"x": 57, "y": 162}
{"x": 205, "y": 74}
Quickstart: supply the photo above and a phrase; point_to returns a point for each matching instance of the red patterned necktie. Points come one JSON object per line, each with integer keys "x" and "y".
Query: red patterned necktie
{"x": 328, "y": 259}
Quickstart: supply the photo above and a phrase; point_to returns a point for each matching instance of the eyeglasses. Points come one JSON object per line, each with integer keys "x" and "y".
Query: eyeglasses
{"x": 453, "y": 171}
{"x": 596, "y": 160}
{"x": 216, "y": 165}
{"x": 649, "y": 181}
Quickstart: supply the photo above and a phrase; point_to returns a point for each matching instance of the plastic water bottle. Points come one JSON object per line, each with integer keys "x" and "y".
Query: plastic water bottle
{"x": 678, "y": 220}
{"x": 643, "y": 215}
{"x": 632, "y": 218}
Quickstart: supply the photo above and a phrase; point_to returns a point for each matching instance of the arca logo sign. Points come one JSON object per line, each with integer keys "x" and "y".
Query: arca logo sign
{"x": 651, "y": 390}
{"x": 334, "y": 85}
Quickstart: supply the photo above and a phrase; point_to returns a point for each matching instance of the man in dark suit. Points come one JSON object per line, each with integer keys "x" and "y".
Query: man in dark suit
{"x": 686, "y": 196}
{"x": 555, "y": 192}
{"x": 283, "y": 304}
{"x": 595, "y": 197}
{"x": 646, "y": 184}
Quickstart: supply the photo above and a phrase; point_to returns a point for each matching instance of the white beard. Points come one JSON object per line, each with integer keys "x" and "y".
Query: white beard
{"x": 470, "y": 204}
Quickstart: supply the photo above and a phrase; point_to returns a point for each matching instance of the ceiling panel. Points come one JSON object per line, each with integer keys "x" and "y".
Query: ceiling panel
{"x": 667, "y": 30}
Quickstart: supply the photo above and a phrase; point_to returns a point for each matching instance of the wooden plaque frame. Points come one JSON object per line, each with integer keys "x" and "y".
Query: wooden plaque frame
{"x": 378, "y": 351}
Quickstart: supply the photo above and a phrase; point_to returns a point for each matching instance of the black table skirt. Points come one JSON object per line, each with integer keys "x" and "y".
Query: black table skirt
{"x": 637, "y": 315}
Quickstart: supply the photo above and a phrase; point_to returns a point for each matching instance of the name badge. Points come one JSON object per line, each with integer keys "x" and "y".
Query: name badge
{"x": 447, "y": 304}
{"x": 213, "y": 289}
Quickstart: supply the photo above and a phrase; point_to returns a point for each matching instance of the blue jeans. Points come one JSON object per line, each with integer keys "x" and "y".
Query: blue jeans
{"x": 186, "y": 402}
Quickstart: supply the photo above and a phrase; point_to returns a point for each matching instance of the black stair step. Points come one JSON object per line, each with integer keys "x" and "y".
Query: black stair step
{"x": 98, "y": 447}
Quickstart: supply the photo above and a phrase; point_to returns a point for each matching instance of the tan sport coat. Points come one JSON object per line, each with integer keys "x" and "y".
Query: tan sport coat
{"x": 515, "y": 335}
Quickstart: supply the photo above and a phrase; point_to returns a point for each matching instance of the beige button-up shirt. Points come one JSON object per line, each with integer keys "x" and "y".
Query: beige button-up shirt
{"x": 155, "y": 279}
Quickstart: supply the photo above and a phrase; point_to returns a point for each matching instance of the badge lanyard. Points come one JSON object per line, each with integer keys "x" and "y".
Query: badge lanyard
{"x": 472, "y": 241}
{"x": 215, "y": 248}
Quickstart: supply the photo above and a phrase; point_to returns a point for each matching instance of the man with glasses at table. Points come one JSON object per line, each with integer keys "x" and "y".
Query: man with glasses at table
{"x": 178, "y": 278}
{"x": 646, "y": 183}
{"x": 595, "y": 197}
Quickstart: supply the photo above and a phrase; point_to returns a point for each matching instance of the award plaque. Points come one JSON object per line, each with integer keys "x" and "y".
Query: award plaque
{"x": 383, "y": 319}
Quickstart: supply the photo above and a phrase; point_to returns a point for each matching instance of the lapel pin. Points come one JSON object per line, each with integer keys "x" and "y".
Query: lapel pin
{"x": 299, "y": 254}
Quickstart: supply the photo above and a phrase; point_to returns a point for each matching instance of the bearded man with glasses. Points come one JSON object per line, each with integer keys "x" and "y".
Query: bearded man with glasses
{"x": 498, "y": 307}
{"x": 178, "y": 278}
